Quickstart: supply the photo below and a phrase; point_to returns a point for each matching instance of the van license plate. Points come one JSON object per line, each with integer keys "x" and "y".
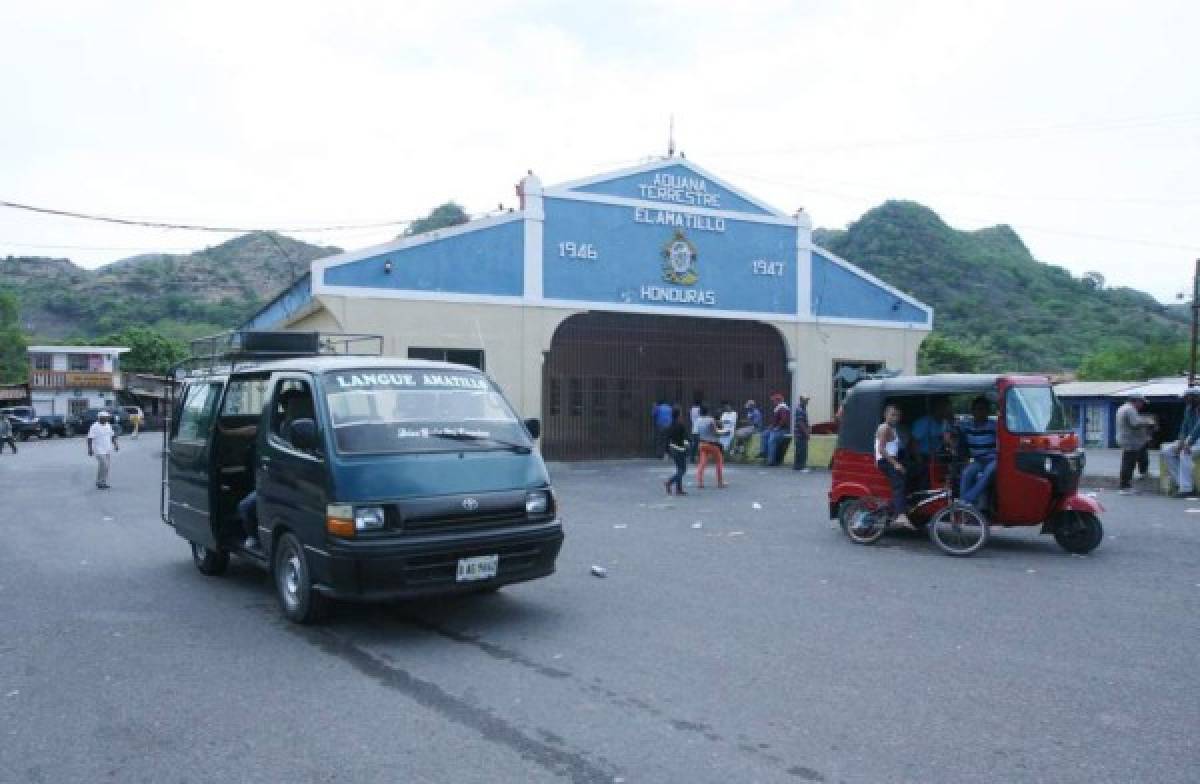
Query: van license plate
{"x": 480, "y": 567}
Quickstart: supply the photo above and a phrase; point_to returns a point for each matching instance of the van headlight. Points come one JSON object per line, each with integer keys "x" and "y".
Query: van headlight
{"x": 368, "y": 518}
{"x": 537, "y": 502}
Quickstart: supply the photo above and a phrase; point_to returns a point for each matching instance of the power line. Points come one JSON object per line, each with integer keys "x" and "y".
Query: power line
{"x": 162, "y": 224}
{"x": 1184, "y": 119}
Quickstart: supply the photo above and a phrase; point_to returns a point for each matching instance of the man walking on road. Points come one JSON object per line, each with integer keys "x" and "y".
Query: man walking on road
{"x": 101, "y": 443}
{"x": 1133, "y": 436}
{"x": 6, "y": 434}
{"x": 1178, "y": 454}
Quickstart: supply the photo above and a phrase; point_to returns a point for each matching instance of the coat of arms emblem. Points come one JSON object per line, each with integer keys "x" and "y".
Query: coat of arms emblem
{"x": 679, "y": 261}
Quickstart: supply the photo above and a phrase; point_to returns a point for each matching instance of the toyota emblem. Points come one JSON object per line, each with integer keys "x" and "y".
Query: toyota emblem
{"x": 470, "y": 504}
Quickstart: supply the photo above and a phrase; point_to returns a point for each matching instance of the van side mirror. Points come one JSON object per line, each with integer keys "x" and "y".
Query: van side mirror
{"x": 303, "y": 435}
{"x": 534, "y": 426}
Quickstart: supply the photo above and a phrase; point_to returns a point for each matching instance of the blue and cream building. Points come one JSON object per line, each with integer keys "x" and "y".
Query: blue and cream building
{"x": 601, "y": 295}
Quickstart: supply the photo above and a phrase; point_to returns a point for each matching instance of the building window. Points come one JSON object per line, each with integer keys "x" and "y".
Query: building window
{"x": 460, "y": 356}
{"x": 42, "y": 361}
{"x": 76, "y": 407}
{"x": 77, "y": 362}
{"x": 846, "y": 373}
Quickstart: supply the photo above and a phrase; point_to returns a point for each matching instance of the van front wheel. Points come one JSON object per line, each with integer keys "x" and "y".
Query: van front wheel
{"x": 209, "y": 562}
{"x": 293, "y": 583}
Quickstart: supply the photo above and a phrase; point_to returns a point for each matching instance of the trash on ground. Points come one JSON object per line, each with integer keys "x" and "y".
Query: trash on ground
{"x": 620, "y": 525}
{"x": 599, "y": 571}
{"x": 1194, "y": 511}
{"x": 107, "y": 518}
{"x": 1031, "y": 571}
{"x": 737, "y": 533}
{"x": 756, "y": 505}
{"x": 13, "y": 693}
{"x": 697, "y": 524}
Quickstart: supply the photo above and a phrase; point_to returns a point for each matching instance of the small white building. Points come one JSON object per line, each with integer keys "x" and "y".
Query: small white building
{"x": 66, "y": 380}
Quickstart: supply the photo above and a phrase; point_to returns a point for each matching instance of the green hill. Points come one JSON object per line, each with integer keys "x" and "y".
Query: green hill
{"x": 179, "y": 295}
{"x": 988, "y": 291}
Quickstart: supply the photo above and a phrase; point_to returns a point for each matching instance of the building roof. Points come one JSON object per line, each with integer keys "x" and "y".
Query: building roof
{"x": 1093, "y": 388}
{"x": 1159, "y": 387}
{"x": 77, "y": 349}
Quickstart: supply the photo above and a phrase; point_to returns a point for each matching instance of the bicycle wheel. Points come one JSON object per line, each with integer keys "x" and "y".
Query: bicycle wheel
{"x": 959, "y": 529}
{"x": 865, "y": 519}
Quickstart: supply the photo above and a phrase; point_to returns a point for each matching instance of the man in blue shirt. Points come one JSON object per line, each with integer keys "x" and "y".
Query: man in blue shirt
{"x": 1179, "y": 453}
{"x": 978, "y": 434}
{"x": 928, "y": 434}
{"x": 661, "y": 414}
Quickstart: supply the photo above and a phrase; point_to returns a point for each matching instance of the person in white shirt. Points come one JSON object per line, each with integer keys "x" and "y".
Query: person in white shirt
{"x": 101, "y": 443}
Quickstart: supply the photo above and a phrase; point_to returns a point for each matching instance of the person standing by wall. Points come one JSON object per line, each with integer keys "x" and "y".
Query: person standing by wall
{"x": 6, "y": 434}
{"x": 1133, "y": 436}
{"x": 1178, "y": 454}
{"x": 662, "y": 421}
{"x": 677, "y": 445}
{"x": 693, "y": 416}
{"x": 728, "y": 425}
{"x": 780, "y": 430}
{"x": 709, "y": 436}
{"x": 800, "y": 432}
{"x": 101, "y": 443}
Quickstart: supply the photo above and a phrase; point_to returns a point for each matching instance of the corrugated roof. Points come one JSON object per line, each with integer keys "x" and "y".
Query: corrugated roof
{"x": 1093, "y": 388}
{"x": 1160, "y": 387}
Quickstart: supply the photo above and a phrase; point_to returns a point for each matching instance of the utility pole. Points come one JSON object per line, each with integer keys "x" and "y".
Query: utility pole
{"x": 1195, "y": 322}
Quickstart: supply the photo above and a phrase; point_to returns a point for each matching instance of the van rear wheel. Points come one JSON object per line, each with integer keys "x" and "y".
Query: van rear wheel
{"x": 293, "y": 583}
{"x": 209, "y": 562}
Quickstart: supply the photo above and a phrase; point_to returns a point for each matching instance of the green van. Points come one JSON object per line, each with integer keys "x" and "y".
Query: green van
{"x": 353, "y": 477}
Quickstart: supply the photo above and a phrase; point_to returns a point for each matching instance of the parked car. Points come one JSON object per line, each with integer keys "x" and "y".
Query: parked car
{"x": 26, "y": 423}
{"x": 81, "y": 423}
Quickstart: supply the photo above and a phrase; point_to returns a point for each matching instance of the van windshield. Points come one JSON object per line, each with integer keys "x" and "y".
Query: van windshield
{"x": 1033, "y": 410}
{"x": 419, "y": 410}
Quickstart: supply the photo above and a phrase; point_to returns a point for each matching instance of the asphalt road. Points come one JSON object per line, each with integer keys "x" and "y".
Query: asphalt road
{"x": 761, "y": 646}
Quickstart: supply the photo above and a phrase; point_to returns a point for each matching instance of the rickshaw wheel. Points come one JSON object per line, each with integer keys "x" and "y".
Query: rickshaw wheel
{"x": 1079, "y": 532}
{"x": 959, "y": 529}
{"x": 871, "y": 515}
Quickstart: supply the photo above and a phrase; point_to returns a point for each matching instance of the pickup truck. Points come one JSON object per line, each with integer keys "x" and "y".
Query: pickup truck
{"x": 26, "y": 423}
{"x": 79, "y": 424}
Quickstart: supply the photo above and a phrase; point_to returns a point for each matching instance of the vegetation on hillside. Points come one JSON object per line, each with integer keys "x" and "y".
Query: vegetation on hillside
{"x": 179, "y": 296}
{"x": 441, "y": 217}
{"x": 1136, "y": 362}
{"x": 996, "y": 307}
{"x": 14, "y": 367}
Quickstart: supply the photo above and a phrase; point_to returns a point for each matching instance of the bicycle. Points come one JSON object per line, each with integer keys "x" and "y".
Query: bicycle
{"x": 956, "y": 527}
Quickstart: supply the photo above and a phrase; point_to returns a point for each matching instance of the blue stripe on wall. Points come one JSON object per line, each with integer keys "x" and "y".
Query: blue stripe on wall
{"x": 838, "y": 293}
{"x": 487, "y": 261}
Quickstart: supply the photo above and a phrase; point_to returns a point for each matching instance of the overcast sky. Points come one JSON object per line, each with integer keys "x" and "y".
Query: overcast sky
{"x": 1078, "y": 123}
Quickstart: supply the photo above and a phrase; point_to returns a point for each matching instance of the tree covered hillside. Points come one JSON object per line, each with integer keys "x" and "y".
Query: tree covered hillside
{"x": 178, "y": 295}
{"x": 992, "y": 298}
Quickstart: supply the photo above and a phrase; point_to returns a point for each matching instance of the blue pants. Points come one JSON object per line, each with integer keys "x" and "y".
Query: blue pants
{"x": 248, "y": 511}
{"x": 777, "y": 444}
{"x": 975, "y": 480}
{"x": 680, "y": 456}
{"x": 896, "y": 481}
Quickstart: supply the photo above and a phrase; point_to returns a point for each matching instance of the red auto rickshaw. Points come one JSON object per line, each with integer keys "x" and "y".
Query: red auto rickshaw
{"x": 1039, "y": 462}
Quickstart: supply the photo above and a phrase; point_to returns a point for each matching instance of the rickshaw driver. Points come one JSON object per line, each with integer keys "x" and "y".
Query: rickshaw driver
{"x": 978, "y": 434}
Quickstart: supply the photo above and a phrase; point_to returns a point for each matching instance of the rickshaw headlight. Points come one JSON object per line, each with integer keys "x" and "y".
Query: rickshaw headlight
{"x": 1049, "y": 465}
{"x": 368, "y": 518}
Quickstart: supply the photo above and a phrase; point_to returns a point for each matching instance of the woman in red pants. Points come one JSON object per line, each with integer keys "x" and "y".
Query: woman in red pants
{"x": 709, "y": 435}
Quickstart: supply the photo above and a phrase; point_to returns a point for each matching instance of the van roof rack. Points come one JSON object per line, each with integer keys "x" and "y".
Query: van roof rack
{"x": 240, "y": 348}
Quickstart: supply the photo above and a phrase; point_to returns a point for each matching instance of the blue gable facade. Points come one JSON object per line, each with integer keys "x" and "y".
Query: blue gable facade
{"x": 841, "y": 291}
{"x": 479, "y": 261}
{"x": 665, "y": 237}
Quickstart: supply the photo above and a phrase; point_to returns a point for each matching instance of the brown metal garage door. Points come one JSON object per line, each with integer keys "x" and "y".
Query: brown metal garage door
{"x": 606, "y": 370}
